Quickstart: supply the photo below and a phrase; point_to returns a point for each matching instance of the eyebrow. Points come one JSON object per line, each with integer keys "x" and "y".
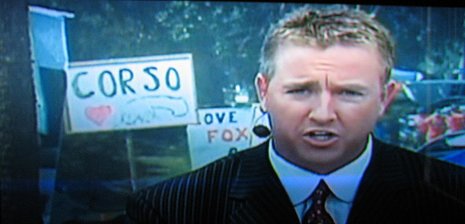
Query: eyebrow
{"x": 351, "y": 86}
{"x": 306, "y": 84}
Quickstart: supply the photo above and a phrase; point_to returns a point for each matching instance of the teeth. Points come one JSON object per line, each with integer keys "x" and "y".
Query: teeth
{"x": 321, "y": 135}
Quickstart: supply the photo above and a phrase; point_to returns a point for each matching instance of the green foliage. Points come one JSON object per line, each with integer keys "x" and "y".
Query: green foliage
{"x": 428, "y": 39}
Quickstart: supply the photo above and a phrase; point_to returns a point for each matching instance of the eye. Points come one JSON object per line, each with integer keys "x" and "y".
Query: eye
{"x": 295, "y": 91}
{"x": 299, "y": 91}
{"x": 350, "y": 93}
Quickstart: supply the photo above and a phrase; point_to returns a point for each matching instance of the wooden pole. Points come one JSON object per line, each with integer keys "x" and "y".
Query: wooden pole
{"x": 132, "y": 162}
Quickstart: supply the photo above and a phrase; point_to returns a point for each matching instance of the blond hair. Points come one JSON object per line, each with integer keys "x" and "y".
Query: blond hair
{"x": 326, "y": 27}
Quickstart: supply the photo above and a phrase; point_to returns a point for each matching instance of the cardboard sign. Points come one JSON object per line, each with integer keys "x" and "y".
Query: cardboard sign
{"x": 131, "y": 93}
{"x": 221, "y": 131}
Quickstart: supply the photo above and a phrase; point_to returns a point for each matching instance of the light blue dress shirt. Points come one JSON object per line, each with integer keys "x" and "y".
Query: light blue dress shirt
{"x": 300, "y": 183}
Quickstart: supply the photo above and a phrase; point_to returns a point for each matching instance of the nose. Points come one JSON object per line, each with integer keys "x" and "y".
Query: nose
{"x": 322, "y": 110}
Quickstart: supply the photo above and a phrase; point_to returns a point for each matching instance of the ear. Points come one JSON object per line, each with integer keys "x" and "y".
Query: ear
{"x": 390, "y": 92}
{"x": 261, "y": 86}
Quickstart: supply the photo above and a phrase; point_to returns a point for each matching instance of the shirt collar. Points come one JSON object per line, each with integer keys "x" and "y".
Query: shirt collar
{"x": 300, "y": 183}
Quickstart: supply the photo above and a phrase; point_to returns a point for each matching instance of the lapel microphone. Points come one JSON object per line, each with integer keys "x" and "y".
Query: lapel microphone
{"x": 261, "y": 131}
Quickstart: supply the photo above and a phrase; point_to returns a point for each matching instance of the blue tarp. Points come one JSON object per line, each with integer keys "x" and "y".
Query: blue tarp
{"x": 48, "y": 36}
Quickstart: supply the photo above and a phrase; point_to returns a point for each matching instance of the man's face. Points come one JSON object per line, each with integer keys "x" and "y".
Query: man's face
{"x": 323, "y": 103}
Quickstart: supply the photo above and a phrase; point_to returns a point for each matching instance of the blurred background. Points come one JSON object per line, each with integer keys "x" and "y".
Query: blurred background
{"x": 54, "y": 172}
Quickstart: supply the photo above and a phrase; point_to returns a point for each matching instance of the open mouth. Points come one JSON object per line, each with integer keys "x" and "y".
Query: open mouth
{"x": 322, "y": 135}
{"x": 321, "y": 138}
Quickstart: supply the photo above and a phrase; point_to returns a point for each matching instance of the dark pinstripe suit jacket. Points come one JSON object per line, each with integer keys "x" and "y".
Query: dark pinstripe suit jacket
{"x": 398, "y": 187}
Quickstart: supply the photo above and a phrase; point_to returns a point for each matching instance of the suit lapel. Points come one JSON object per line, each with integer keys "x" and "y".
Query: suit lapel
{"x": 258, "y": 193}
{"x": 378, "y": 190}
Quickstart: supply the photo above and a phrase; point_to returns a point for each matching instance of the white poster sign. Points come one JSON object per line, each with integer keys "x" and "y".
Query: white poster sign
{"x": 221, "y": 131}
{"x": 131, "y": 93}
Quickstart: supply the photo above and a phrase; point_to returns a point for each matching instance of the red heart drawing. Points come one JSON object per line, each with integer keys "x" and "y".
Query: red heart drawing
{"x": 99, "y": 114}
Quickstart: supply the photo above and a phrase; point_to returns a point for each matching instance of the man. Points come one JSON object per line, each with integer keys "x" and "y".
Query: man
{"x": 324, "y": 81}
